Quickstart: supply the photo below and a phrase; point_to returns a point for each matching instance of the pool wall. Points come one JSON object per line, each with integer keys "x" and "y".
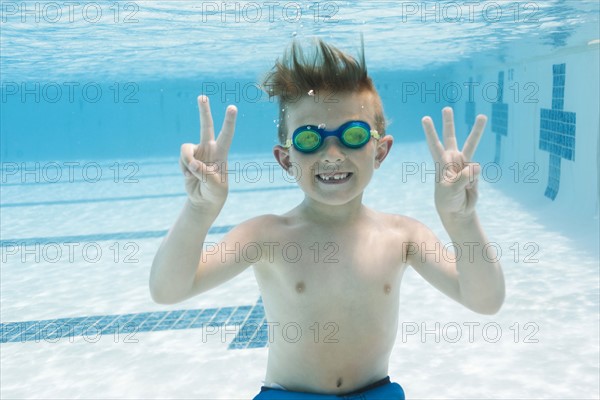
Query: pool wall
{"x": 541, "y": 145}
{"x": 544, "y": 131}
{"x": 85, "y": 119}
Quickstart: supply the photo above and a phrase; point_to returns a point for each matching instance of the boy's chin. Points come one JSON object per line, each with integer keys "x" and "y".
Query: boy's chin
{"x": 335, "y": 198}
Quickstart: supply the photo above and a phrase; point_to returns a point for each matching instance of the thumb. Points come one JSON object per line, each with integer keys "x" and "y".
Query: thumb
{"x": 469, "y": 175}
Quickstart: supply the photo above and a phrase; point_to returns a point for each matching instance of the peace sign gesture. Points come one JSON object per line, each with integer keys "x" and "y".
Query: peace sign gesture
{"x": 456, "y": 175}
{"x": 205, "y": 164}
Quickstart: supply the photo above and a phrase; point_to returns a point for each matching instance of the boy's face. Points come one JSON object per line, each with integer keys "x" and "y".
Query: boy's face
{"x": 354, "y": 166}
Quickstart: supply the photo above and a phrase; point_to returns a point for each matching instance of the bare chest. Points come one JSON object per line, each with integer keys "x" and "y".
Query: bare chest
{"x": 330, "y": 274}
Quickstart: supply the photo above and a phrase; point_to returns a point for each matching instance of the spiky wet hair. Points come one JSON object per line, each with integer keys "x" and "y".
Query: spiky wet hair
{"x": 323, "y": 67}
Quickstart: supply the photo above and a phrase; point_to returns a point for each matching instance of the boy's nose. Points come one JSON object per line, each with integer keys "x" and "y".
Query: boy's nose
{"x": 332, "y": 150}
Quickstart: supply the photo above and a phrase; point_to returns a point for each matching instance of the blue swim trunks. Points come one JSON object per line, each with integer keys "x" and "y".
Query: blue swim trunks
{"x": 380, "y": 390}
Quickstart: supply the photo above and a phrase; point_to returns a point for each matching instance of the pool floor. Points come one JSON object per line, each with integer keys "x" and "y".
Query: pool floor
{"x": 78, "y": 320}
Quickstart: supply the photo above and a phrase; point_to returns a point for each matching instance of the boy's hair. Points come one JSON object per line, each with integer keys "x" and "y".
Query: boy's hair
{"x": 328, "y": 69}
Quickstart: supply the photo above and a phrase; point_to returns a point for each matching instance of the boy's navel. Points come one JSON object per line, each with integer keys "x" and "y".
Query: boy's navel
{"x": 300, "y": 287}
{"x": 387, "y": 288}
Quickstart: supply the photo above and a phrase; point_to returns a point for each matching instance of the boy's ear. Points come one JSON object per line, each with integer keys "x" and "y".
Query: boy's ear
{"x": 383, "y": 149}
{"x": 282, "y": 156}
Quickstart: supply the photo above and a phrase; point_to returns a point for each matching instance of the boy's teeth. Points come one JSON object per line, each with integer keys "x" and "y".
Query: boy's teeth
{"x": 335, "y": 176}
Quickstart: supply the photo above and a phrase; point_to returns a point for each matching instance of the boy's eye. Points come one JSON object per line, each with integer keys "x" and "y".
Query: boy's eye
{"x": 307, "y": 139}
{"x": 355, "y": 135}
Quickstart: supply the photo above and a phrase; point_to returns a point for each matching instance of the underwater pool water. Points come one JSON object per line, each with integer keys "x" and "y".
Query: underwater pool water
{"x": 97, "y": 97}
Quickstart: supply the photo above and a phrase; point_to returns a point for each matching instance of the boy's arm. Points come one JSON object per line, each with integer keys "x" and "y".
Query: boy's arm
{"x": 480, "y": 275}
{"x": 182, "y": 269}
{"x": 471, "y": 276}
{"x": 474, "y": 278}
{"x": 176, "y": 260}
{"x": 205, "y": 168}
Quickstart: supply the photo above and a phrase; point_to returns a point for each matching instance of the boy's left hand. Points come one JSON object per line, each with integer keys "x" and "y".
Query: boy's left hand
{"x": 456, "y": 175}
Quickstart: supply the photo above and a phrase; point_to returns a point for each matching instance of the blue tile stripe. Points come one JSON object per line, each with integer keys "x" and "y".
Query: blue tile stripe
{"x": 558, "y": 86}
{"x": 99, "y": 237}
{"x": 253, "y": 332}
{"x": 553, "y": 177}
{"x": 470, "y": 114}
{"x": 498, "y": 153}
{"x": 470, "y": 110}
{"x": 499, "y": 117}
{"x": 500, "y": 87}
{"x": 133, "y": 179}
{"x": 557, "y": 131}
{"x": 83, "y": 201}
{"x": 135, "y": 198}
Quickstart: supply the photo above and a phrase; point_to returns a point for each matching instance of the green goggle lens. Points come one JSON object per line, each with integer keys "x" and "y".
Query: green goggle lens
{"x": 355, "y": 136}
{"x": 307, "y": 140}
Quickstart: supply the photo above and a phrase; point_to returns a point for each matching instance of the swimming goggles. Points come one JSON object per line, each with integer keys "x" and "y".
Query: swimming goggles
{"x": 353, "y": 134}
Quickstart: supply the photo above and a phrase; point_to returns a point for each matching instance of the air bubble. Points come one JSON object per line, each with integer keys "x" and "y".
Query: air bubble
{"x": 322, "y": 126}
{"x": 311, "y": 92}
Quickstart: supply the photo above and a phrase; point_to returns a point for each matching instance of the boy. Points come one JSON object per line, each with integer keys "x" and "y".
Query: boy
{"x": 346, "y": 283}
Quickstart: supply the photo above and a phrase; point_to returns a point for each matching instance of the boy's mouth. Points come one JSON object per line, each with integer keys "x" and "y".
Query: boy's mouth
{"x": 334, "y": 178}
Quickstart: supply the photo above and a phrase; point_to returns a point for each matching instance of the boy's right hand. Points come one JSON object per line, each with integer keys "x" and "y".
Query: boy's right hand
{"x": 205, "y": 164}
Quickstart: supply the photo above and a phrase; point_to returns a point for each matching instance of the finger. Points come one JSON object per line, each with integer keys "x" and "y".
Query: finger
{"x": 435, "y": 147}
{"x": 469, "y": 175}
{"x": 449, "y": 134}
{"x": 187, "y": 155}
{"x": 473, "y": 140}
{"x": 200, "y": 170}
{"x": 184, "y": 169}
{"x": 474, "y": 185}
{"x": 226, "y": 134}
{"x": 472, "y": 196}
{"x": 206, "y": 123}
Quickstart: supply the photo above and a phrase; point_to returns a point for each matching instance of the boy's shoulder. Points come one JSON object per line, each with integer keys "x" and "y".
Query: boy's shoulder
{"x": 269, "y": 226}
{"x": 398, "y": 221}
{"x": 410, "y": 229}
{"x": 261, "y": 226}
{"x": 260, "y": 221}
